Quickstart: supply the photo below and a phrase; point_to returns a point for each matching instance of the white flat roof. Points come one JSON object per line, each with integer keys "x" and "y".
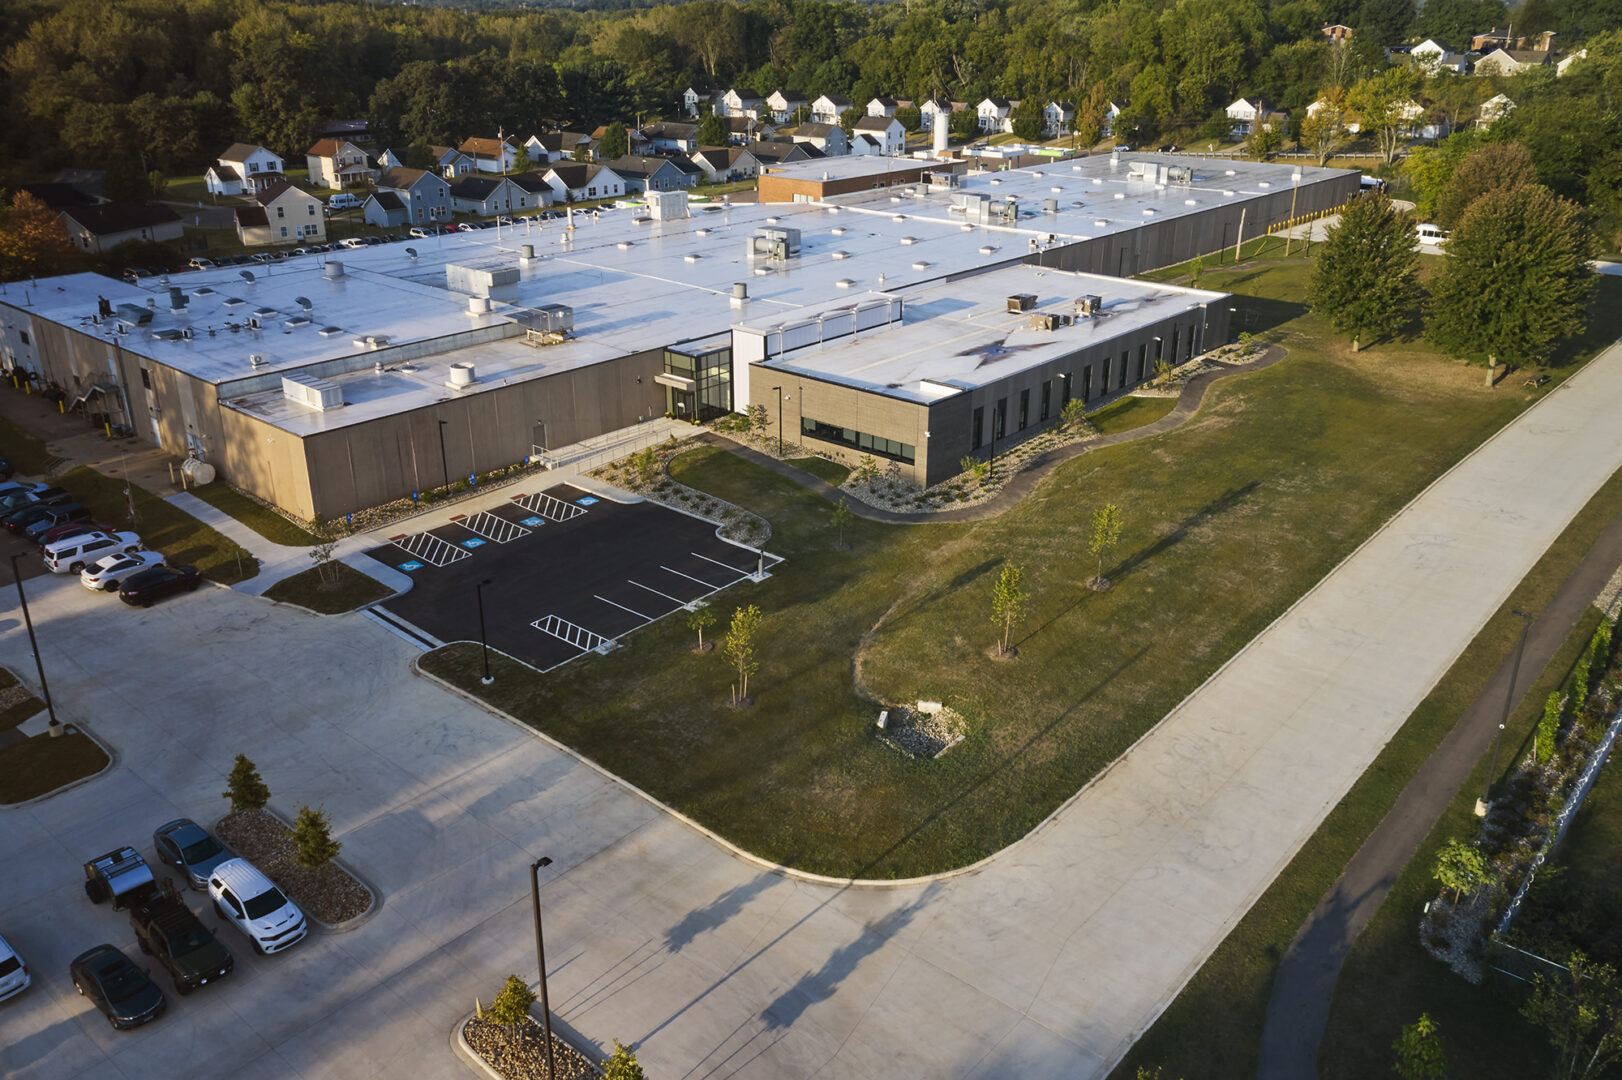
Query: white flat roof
{"x": 845, "y": 166}
{"x": 960, "y": 335}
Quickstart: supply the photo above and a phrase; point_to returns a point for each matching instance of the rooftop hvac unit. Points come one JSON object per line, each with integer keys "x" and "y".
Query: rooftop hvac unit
{"x": 1021, "y": 302}
{"x": 555, "y": 318}
{"x": 774, "y": 242}
{"x": 318, "y": 394}
{"x": 1050, "y": 320}
{"x": 1089, "y": 305}
{"x": 134, "y": 314}
{"x": 461, "y": 376}
{"x": 1179, "y": 174}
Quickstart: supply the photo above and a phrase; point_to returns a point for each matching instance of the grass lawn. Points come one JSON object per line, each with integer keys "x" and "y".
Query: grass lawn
{"x": 258, "y": 517}
{"x": 1229, "y": 518}
{"x": 25, "y": 706}
{"x": 821, "y": 467}
{"x": 25, "y": 451}
{"x": 1130, "y": 412}
{"x": 352, "y": 589}
{"x": 42, "y": 764}
{"x": 163, "y": 527}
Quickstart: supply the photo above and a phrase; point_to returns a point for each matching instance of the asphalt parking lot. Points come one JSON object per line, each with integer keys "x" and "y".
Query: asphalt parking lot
{"x": 569, "y": 572}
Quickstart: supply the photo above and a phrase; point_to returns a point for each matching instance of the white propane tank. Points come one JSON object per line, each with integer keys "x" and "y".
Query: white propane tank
{"x": 197, "y": 471}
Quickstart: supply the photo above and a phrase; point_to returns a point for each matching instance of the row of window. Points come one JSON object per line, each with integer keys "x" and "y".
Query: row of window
{"x": 858, "y": 440}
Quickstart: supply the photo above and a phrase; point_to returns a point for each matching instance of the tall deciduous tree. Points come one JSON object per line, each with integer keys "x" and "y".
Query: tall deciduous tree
{"x": 615, "y": 142}
{"x": 1419, "y": 1050}
{"x": 739, "y": 648}
{"x": 1106, "y": 533}
{"x": 1322, "y": 129}
{"x": 1366, "y": 278}
{"x": 33, "y": 241}
{"x": 1493, "y": 166}
{"x": 1516, "y": 279}
{"x": 1460, "y": 866}
{"x": 1582, "y": 1012}
{"x": 1379, "y": 104}
{"x": 1008, "y": 602}
{"x": 712, "y": 131}
{"x": 1028, "y": 120}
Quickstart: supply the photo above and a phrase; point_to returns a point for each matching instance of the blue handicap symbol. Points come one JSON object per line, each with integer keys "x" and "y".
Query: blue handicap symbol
{"x": 472, "y": 542}
{"x": 532, "y": 521}
{"x": 410, "y": 566}
{"x": 585, "y": 500}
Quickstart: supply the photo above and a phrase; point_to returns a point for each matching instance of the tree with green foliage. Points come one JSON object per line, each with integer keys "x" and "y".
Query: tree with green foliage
{"x": 1073, "y": 417}
{"x": 1379, "y": 104}
{"x": 1323, "y": 129}
{"x": 1365, "y": 280}
{"x": 312, "y": 836}
{"x": 699, "y": 619}
{"x": 964, "y": 125}
{"x": 33, "y": 240}
{"x": 739, "y": 649}
{"x": 1419, "y": 1050}
{"x": 622, "y": 1065}
{"x": 909, "y": 117}
{"x": 1028, "y": 119}
{"x": 645, "y": 463}
{"x": 1429, "y": 168}
{"x": 841, "y": 518}
{"x": 1106, "y": 534}
{"x": 419, "y": 156}
{"x": 1460, "y": 866}
{"x": 1548, "y": 728}
{"x": 1516, "y": 279}
{"x": 1581, "y": 1010}
{"x": 244, "y": 787}
{"x": 1008, "y": 603}
{"x": 522, "y": 162}
{"x": 849, "y": 117}
{"x": 616, "y": 143}
{"x": 1487, "y": 168}
{"x": 510, "y": 1009}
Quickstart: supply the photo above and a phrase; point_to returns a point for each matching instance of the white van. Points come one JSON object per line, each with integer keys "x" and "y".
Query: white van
{"x": 77, "y": 552}
{"x": 252, "y": 902}
{"x": 343, "y": 201}
{"x": 1430, "y": 236}
{"x": 353, "y": 242}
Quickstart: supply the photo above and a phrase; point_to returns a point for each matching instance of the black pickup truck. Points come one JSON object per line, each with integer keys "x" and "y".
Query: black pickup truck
{"x": 166, "y": 929}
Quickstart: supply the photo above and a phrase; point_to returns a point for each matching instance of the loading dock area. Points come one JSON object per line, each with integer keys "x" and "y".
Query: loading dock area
{"x": 569, "y": 573}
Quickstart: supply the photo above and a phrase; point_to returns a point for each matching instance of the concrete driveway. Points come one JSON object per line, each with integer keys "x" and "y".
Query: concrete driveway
{"x": 1047, "y": 963}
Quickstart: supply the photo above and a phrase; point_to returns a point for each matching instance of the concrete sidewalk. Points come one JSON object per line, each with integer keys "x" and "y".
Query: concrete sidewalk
{"x": 1046, "y": 962}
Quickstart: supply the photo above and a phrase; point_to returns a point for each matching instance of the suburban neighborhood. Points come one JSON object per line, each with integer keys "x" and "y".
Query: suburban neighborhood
{"x": 719, "y": 540}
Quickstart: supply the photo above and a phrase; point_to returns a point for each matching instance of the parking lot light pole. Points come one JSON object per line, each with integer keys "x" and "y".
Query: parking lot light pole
{"x": 1503, "y": 721}
{"x": 484, "y": 639}
{"x": 444, "y": 468}
{"x": 33, "y": 643}
{"x": 540, "y": 959}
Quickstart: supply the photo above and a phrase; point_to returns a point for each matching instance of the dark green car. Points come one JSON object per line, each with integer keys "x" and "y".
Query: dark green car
{"x": 166, "y": 929}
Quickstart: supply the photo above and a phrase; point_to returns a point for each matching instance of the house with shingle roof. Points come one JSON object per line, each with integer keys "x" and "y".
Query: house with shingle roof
{"x": 783, "y": 104}
{"x": 486, "y": 195}
{"x": 826, "y": 109}
{"x": 104, "y": 226}
{"x": 551, "y": 146}
{"x": 282, "y": 214}
{"x": 723, "y": 163}
{"x": 337, "y": 163}
{"x": 490, "y": 155}
{"x": 386, "y": 210}
{"x": 243, "y": 170}
{"x": 581, "y": 180}
{"x": 449, "y": 162}
{"x": 425, "y": 195}
{"x": 656, "y": 173}
{"x": 878, "y": 135}
{"x": 828, "y": 138}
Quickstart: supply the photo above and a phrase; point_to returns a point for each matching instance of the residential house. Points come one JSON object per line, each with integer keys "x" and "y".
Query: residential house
{"x": 1348, "y": 124}
{"x": 449, "y": 162}
{"x": 244, "y": 169}
{"x": 1501, "y": 39}
{"x": 723, "y": 163}
{"x": 1111, "y": 114}
{"x": 656, "y": 173}
{"x": 1564, "y": 63}
{"x": 829, "y": 138}
{"x": 694, "y": 97}
{"x": 536, "y": 189}
{"x": 1246, "y": 113}
{"x": 59, "y": 196}
{"x": 1494, "y": 108}
{"x": 1434, "y": 56}
{"x": 1337, "y": 33}
{"x": 1512, "y": 61}
{"x": 337, "y": 163}
{"x": 635, "y": 141}
{"x": 578, "y": 180}
{"x": 742, "y": 130}
{"x": 883, "y": 106}
{"x": 782, "y": 152}
{"x": 929, "y": 107}
{"x": 356, "y": 131}
{"x": 671, "y": 137}
{"x": 1058, "y": 118}
{"x": 425, "y": 195}
{"x": 996, "y": 115}
{"x": 826, "y": 109}
{"x": 739, "y": 101}
{"x": 1421, "y": 125}
{"x": 104, "y": 226}
{"x": 486, "y": 195}
{"x": 391, "y": 159}
{"x": 386, "y": 210}
{"x": 283, "y": 214}
{"x": 783, "y": 104}
{"x": 490, "y": 155}
{"x": 882, "y": 135}
{"x": 550, "y": 146}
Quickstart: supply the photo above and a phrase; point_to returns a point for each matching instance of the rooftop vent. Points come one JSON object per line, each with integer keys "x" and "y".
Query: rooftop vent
{"x": 907, "y": 241}
{"x": 773, "y": 220}
{"x": 264, "y": 312}
{"x": 1022, "y": 302}
{"x": 898, "y": 217}
{"x": 1191, "y": 202}
{"x": 840, "y": 254}
{"x": 203, "y": 291}
{"x": 1264, "y": 184}
{"x": 297, "y": 321}
{"x": 922, "y": 265}
{"x": 1228, "y": 192}
{"x": 1056, "y": 189}
{"x": 701, "y": 232}
{"x": 839, "y": 230}
{"x": 989, "y": 249}
{"x": 1089, "y": 305}
{"x": 318, "y": 394}
{"x": 330, "y": 331}
{"x": 247, "y": 275}
{"x": 1227, "y": 172}
{"x": 845, "y": 283}
{"x": 1148, "y": 211}
{"x": 1101, "y": 224}
{"x": 372, "y": 341}
{"x": 461, "y": 376}
{"x": 256, "y": 361}
{"x": 1120, "y": 195}
{"x": 691, "y": 258}
{"x": 233, "y": 301}
{"x": 168, "y": 334}
{"x": 334, "y": 269}
{"x": 303, "y": 302}
{"x": 412, "y": 252}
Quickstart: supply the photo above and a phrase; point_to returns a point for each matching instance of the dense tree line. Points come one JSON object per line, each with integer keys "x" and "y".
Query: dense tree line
{"x": 166, "y": 84}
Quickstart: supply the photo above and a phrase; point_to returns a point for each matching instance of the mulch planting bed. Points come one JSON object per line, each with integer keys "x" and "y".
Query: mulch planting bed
{"x": 520, "y": 1054}
{"x": 326, "y": 893}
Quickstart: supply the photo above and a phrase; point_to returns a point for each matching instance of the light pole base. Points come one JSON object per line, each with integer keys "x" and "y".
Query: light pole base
{"x": 488, "y": 679}
{"x": 1482, "y": 806}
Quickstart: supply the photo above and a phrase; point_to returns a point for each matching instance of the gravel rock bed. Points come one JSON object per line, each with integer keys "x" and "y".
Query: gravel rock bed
{"x": 521, "y": 1055}
{"x": 737, "y": 524}
{"x": 922, "y": 734}
{"x": 326, "y": 893}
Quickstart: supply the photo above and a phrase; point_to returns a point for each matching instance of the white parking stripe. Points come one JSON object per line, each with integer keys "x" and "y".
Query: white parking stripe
{"x": 622, "y": 607}
{"x": 689, "y": 577}
{"x": 656, "y": 592}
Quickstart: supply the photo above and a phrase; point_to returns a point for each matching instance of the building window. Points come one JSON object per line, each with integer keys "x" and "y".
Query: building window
{"x": 146, "y": 378}
{"x": 1087, "y": 383}
{"x": 1024, "y": 409}
{"x": 24, "y": 335}
{"x": 281, "y": 211}
{"x": 1126, "y": 367}
{"x": 872, "y": 444}
{"x": 310, "y": 209}
{"x": 979, "y": 429}
{"x": 1143, "y": 360}
{"x": 1103, "y": 383}
{"x": 284, "y": 230}
{"x": 1047, "y": 396}
{"x": 1064, "y": 393}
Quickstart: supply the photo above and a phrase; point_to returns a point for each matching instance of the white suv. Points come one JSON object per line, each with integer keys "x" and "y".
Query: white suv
{"x": 253, "y": 903}
{"x": 77, "y": 552}
{"x": 13, "y": 972}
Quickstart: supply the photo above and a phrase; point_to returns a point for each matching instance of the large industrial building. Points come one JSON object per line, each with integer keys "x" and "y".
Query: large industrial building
{"x": 920, "y": 321}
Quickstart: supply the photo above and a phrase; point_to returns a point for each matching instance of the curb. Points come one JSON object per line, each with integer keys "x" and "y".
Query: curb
{"x": 112, "y": 760}
{"x": 348, "y": 924}
{"x": 471, "y": 1058}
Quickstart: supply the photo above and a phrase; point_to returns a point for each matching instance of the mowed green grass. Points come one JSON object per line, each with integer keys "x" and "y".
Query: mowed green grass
{"x": 257, "y": 516}
{"x": 1229, "y": 518}
{"x": 820, "y": 467}
{"x": 1129, "y": 413}
{"x": 162, "y": 526}
{"x": 348, "y": 590}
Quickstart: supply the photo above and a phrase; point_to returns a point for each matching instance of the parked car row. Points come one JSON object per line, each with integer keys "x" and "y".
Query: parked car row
{"x": 166, "y": 928}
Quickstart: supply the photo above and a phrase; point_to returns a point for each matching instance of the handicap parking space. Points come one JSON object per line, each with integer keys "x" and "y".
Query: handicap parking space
{"x": 567, "y": 572}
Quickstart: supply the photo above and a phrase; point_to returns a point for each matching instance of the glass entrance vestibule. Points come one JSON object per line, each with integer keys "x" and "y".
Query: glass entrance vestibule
{"x": 698, "y": 384}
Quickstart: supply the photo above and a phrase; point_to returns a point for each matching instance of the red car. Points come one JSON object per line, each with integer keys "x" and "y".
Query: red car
{"x": 64, "y": 532}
